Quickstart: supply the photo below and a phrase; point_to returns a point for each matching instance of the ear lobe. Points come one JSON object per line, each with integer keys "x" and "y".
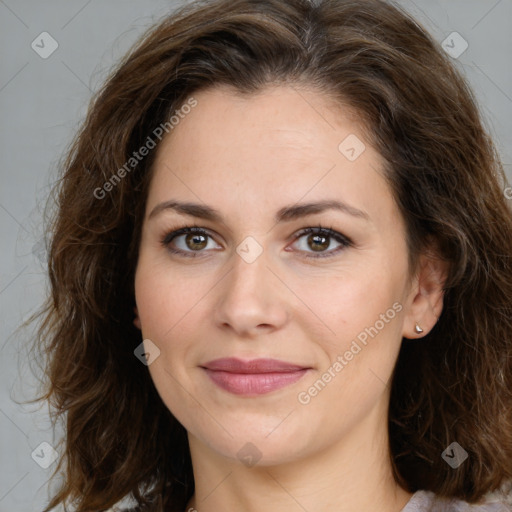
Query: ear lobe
{"x": 427, "y": 296}
{"x": 136, "y": 320}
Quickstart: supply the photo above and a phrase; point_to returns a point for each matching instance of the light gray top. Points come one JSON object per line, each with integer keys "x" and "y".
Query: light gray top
{"x": 427, "y": 501}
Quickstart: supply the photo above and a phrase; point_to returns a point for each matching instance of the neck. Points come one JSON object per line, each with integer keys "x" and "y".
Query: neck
{"x": 353, "y": 474}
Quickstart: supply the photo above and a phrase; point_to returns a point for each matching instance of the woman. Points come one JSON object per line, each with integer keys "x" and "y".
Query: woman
{"x": 280, "y": 271}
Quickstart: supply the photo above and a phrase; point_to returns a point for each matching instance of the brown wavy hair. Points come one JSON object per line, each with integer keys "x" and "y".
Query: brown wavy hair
{"x": 447, "y": 179}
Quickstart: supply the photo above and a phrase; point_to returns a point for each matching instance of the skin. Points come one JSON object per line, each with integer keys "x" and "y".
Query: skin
{"x": 248, "y": 157}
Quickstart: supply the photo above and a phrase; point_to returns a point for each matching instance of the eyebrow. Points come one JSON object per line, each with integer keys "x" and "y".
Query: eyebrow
{"x": 285, "y": 214}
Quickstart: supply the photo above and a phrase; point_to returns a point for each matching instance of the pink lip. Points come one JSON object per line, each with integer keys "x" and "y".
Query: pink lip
{"x": 254, "y": 377}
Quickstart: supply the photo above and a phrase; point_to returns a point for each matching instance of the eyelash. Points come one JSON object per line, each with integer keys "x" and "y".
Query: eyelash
{"x": 319, "y": 230}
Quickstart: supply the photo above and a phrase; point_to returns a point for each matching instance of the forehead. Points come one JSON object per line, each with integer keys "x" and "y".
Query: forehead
{"x": 260, "y": 151}
{"x": 280, "y": 117}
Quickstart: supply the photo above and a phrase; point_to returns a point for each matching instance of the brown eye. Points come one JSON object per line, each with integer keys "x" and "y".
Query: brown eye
{"x": 319, "y": 240}
{"x": 188, "y": 241}
{"x": 192, "y": 242}
{"x": 195, "y": 241}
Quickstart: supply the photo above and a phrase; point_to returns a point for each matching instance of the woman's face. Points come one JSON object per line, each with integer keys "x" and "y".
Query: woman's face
{"x": 252, "y": 285}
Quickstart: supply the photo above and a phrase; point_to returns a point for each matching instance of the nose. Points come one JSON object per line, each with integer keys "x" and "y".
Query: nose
{"x": 251, "y": 298}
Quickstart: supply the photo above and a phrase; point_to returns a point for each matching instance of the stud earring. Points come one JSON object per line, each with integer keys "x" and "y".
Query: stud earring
{"x": 418, "y": 329}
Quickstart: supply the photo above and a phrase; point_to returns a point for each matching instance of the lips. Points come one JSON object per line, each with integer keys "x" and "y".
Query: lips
{"x": 254, "y": 377}
{"x": 233, "y": 365}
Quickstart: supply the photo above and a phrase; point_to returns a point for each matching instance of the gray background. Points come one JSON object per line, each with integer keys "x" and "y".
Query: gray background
{"x": 42, "y": 102}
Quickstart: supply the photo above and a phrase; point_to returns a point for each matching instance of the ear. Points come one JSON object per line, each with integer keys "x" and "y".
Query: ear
{"x": 425, "y": 301}
{"x": 136, "y": 320}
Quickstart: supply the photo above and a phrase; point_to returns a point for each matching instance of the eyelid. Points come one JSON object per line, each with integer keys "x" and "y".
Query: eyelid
{"x": 344, "y": 241}
{"x": 172, "y": 234}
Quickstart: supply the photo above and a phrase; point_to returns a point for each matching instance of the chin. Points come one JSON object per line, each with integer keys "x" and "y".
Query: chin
{"x": 251, "y": 444}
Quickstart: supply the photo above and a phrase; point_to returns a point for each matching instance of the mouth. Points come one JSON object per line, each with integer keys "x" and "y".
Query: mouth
{"x": 255, "y": 377}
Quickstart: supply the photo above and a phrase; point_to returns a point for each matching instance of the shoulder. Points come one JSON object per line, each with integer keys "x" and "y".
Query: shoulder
{"x": 427, "y": 501}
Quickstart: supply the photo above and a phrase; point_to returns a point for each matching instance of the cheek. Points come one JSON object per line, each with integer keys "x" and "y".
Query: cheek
{"x": 358, "y": 357}
{"x": 360, "y": 315}
{"x": 164, "y": 298}
{"x": 349, "y": 301}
